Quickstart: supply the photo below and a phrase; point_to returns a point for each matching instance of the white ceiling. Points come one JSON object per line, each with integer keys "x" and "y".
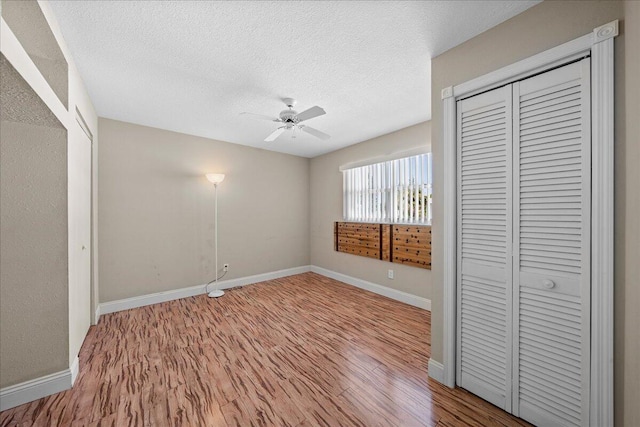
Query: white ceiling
{"x": 193, "y": 66}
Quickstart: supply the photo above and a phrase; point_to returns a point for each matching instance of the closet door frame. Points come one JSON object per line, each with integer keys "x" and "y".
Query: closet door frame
{"x": 599, "y": 45}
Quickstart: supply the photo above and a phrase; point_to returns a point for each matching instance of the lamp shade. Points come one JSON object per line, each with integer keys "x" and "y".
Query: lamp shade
{"x": 216, "y": 178}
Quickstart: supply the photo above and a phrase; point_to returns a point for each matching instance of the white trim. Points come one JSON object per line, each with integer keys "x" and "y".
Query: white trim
{"x": 605, "y": 32}
{"x": 395, "y": 294}
{"x": 527, "y": 67}
{"x": 74, "y": 369}
{"x": 149, "y": 299}
{"x": 143, "y": 300}
{"x": 83, "y": 124}
{"x": 449, "y": 244}
{"x": 602, "y": 218}
{"x": 600, "y": 44}
{"x": 386, "y": 157}
{"x": 436, "y": 370}
{"x": 249, "y": 280}
{"x": 20, "y": 60}
{"x": 97, "y": 314}
{"x": 155, "y": 298}
{"x": 35, "y": 389}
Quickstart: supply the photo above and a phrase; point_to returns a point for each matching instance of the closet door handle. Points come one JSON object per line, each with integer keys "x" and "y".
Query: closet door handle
{"x": 549, "y": 284}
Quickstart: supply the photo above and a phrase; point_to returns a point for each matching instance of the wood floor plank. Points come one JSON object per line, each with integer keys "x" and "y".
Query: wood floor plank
{"x": 236, "y": 415}
{"x": 147, "y": 408}
{"x": 319, "y": 407}
{"x": 189, "y": 406}
{"x": 109, "y": 421}
{"x": 377, "y": 409}
{"x": 303, "y": 350}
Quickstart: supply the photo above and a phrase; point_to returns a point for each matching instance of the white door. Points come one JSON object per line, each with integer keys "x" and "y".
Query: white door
{"x": 484, "y": 246}
{"x": 79, "y": 238}
{"x": 524, "y": 246}
{"x": 85, "y": 230}
{"x": 552, "y": 170}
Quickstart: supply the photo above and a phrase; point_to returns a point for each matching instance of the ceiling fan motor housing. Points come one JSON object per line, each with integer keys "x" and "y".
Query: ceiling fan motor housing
{"x": 289, "y": 116}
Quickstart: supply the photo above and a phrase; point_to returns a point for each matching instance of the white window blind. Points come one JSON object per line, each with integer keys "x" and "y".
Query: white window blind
{"x": 397, "y": 191}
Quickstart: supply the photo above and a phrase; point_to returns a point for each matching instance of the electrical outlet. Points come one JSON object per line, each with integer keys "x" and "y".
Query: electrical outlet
{"x": 225, "y": 267}
{"x": 390, "y": 274}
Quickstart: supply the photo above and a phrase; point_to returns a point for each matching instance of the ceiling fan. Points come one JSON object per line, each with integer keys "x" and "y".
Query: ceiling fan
{"x": 292, "y": 120}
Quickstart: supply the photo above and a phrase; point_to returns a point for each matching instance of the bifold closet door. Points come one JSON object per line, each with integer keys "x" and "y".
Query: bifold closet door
{"x": 552, "y": 187}
{"x": 484, "y": 339}
{"x": 524, "y": 203}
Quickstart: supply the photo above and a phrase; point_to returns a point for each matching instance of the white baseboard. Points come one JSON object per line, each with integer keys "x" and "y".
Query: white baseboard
{"x": 436, "y": 370}
{"x": 243, "y": 281}
{"x": 35, "y": 389}
{"x": 141, "y": 301}
{"x": 96, "y": 318}
{"x": 395, "y": 294}
{"x": 74, "y": 369}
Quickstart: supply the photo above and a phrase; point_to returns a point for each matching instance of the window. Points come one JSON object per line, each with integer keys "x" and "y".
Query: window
{"x": 396, "y": 191}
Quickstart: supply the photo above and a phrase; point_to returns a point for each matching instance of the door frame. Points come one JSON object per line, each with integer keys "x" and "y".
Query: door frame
{"x": 599, "y": 44}
{"x": 92, "y": 243}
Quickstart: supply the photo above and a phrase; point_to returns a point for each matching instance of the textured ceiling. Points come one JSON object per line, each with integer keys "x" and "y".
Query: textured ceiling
{"x": 193, "y": 66}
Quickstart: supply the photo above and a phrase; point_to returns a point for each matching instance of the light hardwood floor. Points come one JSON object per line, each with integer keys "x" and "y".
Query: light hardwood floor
{"x": 304, "y": 350}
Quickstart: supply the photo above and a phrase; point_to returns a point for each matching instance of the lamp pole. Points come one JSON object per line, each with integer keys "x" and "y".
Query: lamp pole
{"x": 215, "y": 179}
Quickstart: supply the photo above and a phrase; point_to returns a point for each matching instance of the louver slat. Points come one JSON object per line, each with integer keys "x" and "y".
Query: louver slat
{"x": 551, "y": 246}
{"x": 484, "y": 249}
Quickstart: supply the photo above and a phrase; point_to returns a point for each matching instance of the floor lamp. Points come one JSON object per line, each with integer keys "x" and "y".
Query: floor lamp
{"x": 215, "y": 178}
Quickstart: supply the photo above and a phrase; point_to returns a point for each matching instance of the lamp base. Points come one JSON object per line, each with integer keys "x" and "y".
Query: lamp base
{"x": 216, "y": 293}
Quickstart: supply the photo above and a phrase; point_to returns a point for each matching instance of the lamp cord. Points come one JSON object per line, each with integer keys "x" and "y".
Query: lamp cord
{"x": 224, "y": 273}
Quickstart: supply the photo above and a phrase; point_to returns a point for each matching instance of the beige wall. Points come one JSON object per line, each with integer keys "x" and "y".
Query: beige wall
{"x": 157, "y": 210}
{"x": 41, "y": 337}
{"x": 627, "y": 227}
{"x": 326, "y": 207}
{"x": 33, "y": 225}
{"x": 28, "y": 23}
{"x": 542, "y": 27}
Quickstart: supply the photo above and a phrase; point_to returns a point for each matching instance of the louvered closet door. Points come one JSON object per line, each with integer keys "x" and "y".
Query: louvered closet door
{"x": 484, "y": 246}
{"x": 552, "y": 246}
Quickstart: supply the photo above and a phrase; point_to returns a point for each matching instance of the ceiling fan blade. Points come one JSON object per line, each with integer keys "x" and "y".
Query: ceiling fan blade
{"x": 260, "y": 116}
{"x": 275, "y": 134}
{"x": 310, "y": 113}
{"x": 315, "y": 132}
